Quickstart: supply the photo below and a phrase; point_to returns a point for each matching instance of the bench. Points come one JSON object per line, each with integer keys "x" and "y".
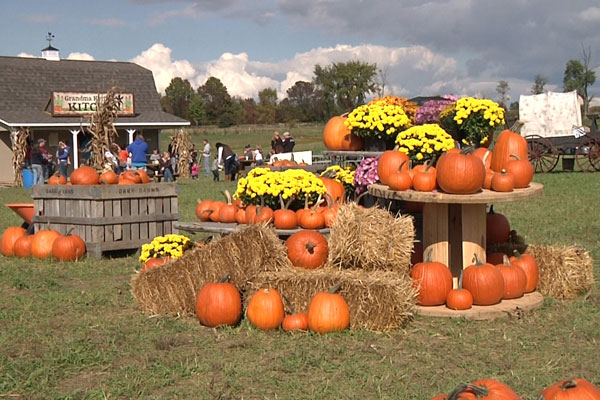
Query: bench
{"x": 158, "y": 177}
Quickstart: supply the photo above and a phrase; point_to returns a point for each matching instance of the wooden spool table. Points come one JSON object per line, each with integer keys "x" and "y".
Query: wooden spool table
{"x": 227, "y": 228}
{"x": 454, "y": 230}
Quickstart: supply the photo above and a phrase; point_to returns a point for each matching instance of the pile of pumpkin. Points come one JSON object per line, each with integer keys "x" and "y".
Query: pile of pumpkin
{"x": 85, "y": 175}
{"x": 320, "y": 215}
{"x": 462, "y": 172}
{"x": 43, "y": 244}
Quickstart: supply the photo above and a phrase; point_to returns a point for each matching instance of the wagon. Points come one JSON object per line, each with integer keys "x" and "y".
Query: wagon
{"x": 551, "y": 124}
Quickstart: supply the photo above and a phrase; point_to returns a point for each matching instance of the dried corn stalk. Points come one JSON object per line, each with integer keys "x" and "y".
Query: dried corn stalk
{"x": 19, "y": 148}
{"x": 101, "y": 127}
{"x": 182, "y": 146}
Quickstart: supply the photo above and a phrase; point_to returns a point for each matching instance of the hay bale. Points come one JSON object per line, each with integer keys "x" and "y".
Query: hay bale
{"x": 566, "y": 272}
{"x": 172, "y": 288}
{"x": 378, "y": 300}
{"x": 371, "y": 239}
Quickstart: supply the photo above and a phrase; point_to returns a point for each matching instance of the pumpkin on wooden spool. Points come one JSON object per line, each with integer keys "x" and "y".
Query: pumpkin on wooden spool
{"x": 515, "y": 279}
{"x": 85, "y": 175}
{"x": 400, "y": 180}
{"x": 42, "y": 242}
{"x": 571, "y": 389}
{"x": 219, "y": 303}
{"x": 284, "y": 218}
{"x": 459, "y": 298}
{"x": 204, "y": 209}
{"x": 9, "y": 237}
{"x": 109, "y": 177}
{"x": 485, "y": 156}
{"x": 264, "y": 214}
{"x": 311, "y": 218}
{"x": 337, "y": 136}
{"x": 22, "y": 248}
{"x": 129, "y": 177}
{"x": 328, "y": 312}
{"x": 529, "y": 265}
{"x": 227, "y": 212}
{"x": 334, "y": 188}
{"x": 521, "y": 170}
{"x": 507, "y": 144}
{"x": 433, "y": 280}
{"x": 389, "y": 163}
{"x": 154, "y": 262}
{"x": 57, "y": 179}
{"x": 497, "y": 228}
{"x": 265, "y": 309}
{"x": 425, "y": 180}
{"x": 294, "y": 321}
{"x": 487, "y": 181}
{"x": 503, "y": 182}
{"x": 485, "y": 282}
{"x": 460, "y": 172}
{"x": 307, "y": 249}
{"x": 69, "y": 247}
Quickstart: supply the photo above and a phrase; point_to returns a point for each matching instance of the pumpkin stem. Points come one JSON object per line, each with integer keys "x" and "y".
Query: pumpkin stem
{"x": 428, "y": 255}
{"x": 310, "y": 247}
{"x": 224, "y": 279}
{"x": 289, "y": 304}
{"x": 317, "y": 203}
{"x": 329, "y": 200}
{"x": 516, "y": 253}
{"x": 401, "y": 165}
{"x": 283, "y": 207}
{"x": 568, "y": 384}
{"x": 478, "y": 261}
{"x": 335, "y": 287}
{"x": 359, "y": 197}
{"x": 478, "y": 391}
{"x": 460, "y": 280}
{"x": 227, "y": 196}
{"x": 505, "y": 260}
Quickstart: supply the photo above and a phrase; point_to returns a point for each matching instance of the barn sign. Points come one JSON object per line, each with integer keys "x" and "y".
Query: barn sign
{"x": 75, "y": 103}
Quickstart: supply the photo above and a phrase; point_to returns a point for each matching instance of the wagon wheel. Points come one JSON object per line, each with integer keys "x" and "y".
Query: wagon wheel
{"x": 542, "y": 154}
{"x": 587, "y": 155}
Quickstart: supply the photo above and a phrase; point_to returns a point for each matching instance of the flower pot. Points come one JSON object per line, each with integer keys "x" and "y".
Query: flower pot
{"x": 379, "y": 144}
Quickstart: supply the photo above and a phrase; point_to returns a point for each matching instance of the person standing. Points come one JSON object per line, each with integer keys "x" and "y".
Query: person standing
{"x": 37, "y": 161}
{"x": 62, "y": 157}
{"x": 276, "y": 143}
{"x": 166, "y": 167}
{"x": 288, "y": 142}
{"x": 226, "y": 156}
{"x": 206, "y": 157}
{"x": 138, "y": 150}
{"x": 258, "y": 156}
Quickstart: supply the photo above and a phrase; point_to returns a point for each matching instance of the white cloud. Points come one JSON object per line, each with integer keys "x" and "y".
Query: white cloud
{"x": 80, "y": 56}
{"x": 105, "y": 21}
{"x": 591, "y": 14}
{"x": 158, "y": 60}
{"x": 26, "y": 55}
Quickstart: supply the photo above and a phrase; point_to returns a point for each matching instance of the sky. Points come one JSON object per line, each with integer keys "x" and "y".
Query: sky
{"x": 421, "y": 48}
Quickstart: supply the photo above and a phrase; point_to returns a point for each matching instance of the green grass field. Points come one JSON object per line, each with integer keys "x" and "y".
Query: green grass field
{"x": 73, "y": 330}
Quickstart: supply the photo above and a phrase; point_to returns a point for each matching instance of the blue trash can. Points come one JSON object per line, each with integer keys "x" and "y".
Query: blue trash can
{"x": 27, "y": 178}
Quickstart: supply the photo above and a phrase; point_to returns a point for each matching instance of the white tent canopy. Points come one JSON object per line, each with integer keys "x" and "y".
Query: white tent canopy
{"x": 550, "y": 114}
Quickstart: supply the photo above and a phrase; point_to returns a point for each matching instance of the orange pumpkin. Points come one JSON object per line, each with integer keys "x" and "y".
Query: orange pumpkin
{"x": 264, "y": 214}
{"x": 109, "y": 177}
{"x": 227, "y": 212}
{"x": 521, "y": 170}
{"x": 307, "y": 249}
{"x": 284, "y": 218}
{"x": 9, "y": 237}
{"x": 484, "y": 155}
{"x": 57, "y": 179}
{"x": 216, "y": 206}
{"x": 483, "y": 389}
{"x": 42, "y": 242}
{"x": 487, "y": 181}
{"x": 85, "y": 175}
{"x": 334, "y": 189}
{"x": 460, "y": 173}
{"x": 337, "y": 137}
{"x": 400, "y": 180}
{"x": 328, "y": 312}
{"x": 389, "y": 163}
{"x": 265, "y": 309}
{"x": 154, "y": 262}
{"x": 143, "y": 176}
{"x": 295, "y": 322}
{"x": 425, "y": 180}
{"x": 241, "y": 216}
{"x": 515, "y": 279}
{"x": 129, "y": 178}
{"x": 219, "y": 303}
{"x": 68, "y": 248}
{"x": 507, "y": 144}
{"x": 204, "y": 209}
{"x": 503, "y": 182}
{"x": 22, "y": 246}
{"x": 433, "y": 280}
{"x": 497, "y": 228}
{"x": 571, "y": 389}
{"x": 459, "y": 298}
{"x": 485, "y": 282}
{"x": 529, "y": 265}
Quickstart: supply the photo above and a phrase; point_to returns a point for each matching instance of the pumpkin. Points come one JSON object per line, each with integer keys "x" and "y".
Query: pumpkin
{"x": 57, "y": 179}
{"x": 328, "y": 312}
{"x": 329, "y": 211}
{"x": 389, "y": 163}
{"x": 284, "y": 218}
{"x": 460, "y": 298}
{"x": 294, "y": 321}
{"x": 503, "y": 182}
{"x": 264, "y": 214}
{"x": 22, "y": 247}
{"x": 433, "y": 280}
{"x": 68, "y": 248}
{"x": 460, "y": 172}
{"x": 307, "y": 249}
{"x": 497, "y": 228}
{"x": 337, "y": 136}
{"x": 334, "y": 188}
{"x": 514, "y": 279}
{"x": 42, "y": 242}
{"x": 485, "y": 156}
{"x": 214, "y": 212}
{"x": 240, "y": 216}
{"x": 109, "y": 177}
{"x": 9, "y": 237}
{"x": 521, "y": 170}
{"x": 143, "y": 176}
{"x": 425, "y": 180}
{"x": 485, "y": 282}
{"x": 154, "y": 262}
{"x": 507, "y": 144}
{"x": 219, "y": 303}
{"x": 487, "y": 181}
{"x": 484, "y": 389}
{"x": 529, "y": 265}
{"x": 85, "y": 175}
{"x": 400, "y": 180}
{"x": 312, "y": 219}
{"x": 129, "y": 177}
{"x": 494, "y": 258}
{"x": 265, "y": 309}
{"x": 227, "y": 212}
{"x": 204, "y": 209}
{"x": 571, "y": 389}
{"x": 250, "y": 214}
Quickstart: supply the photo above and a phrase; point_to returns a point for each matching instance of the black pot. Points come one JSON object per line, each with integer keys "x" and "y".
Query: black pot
{"x": 379, "y": 144}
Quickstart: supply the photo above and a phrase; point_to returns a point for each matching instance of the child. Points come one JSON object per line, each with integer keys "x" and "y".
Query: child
{"x": 195, "y": 170}
{"x": 215, "y": 170}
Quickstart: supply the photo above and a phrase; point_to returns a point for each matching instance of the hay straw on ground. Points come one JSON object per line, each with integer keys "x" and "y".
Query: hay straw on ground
{"x": 371, "y": 239}
{"x": 378, "y": 300}
{"x": 172, "y": 288}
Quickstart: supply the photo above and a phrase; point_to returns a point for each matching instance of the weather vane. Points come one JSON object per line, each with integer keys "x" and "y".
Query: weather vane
{"x": 49, "y": 38}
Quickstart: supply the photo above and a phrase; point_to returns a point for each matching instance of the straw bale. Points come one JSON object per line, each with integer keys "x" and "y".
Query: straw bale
{"x": 172, "y": 288}
{"x": 378, "y": 300}
{"x": 371, "y": 239}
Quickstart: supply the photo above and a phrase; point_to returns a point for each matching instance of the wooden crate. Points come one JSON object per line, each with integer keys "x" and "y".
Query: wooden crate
{"x": 107, "y": 217}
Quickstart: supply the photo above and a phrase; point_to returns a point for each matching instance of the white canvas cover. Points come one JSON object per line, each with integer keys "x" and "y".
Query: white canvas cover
{"x": 549, "y": 114}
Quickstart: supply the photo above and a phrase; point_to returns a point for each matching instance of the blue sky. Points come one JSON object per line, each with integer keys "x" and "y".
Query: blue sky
{"x": 463, "y": 47}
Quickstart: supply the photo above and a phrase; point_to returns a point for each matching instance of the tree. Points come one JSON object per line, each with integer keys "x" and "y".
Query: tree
{"x": 303, "y": 103}
{"x": 216, "y": 100}
{"x": 579, "y": 76}
{"x": 267, "y": 106}
{"x": 249, "y": 111}
{"x": 503, "y": 96}
{"x": 345, "y": 85}
{"x": 197, "y": 110}
{"x": 539, "y": 84}
{"x": 178, "y": 95}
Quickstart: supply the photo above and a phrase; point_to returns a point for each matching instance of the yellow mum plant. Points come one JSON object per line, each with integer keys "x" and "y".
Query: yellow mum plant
{"x": 344, "y": 175}
{"x": 410, "y": 107}
{"x": 165, "y": 246}
{"x": 424, "y": 142}
{"x": 470, "y": 121}
{"x": 377, "y": 120}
